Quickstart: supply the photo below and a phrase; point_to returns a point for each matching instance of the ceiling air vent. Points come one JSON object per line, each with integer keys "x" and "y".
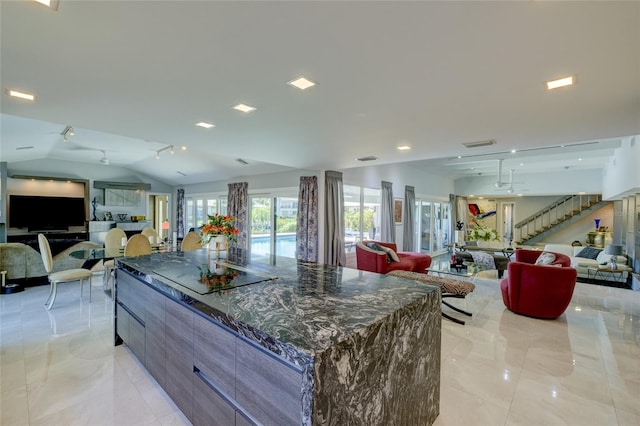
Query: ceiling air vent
{"x": 241, "y": 161}
{"x": 368, "y": 158}
{"x": 479, "y": 143}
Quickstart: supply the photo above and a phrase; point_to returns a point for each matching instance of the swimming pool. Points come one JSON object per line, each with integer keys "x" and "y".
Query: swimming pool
{"x": 285, "y": 245}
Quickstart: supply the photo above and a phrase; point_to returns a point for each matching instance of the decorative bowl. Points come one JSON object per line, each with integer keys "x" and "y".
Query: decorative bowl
{"x": 122, "y": 216}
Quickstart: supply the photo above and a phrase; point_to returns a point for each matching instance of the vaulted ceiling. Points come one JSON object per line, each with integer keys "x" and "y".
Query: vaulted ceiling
{"x": 133, "y": 77}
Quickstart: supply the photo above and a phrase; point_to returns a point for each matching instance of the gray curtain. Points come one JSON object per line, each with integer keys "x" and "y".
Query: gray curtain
{"x": 180, "y": 214}
{"x": 334, "y": 253}
{"x": 238, "y": 207}
{"x": 307, "y": 227}
{"x": 409, "y": 218}
{"x": 387, "y": 224}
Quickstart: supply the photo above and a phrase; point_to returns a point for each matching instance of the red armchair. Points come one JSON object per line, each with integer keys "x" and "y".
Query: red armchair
{"x": 539, "y": 291}
{"x": 378, "y": 261}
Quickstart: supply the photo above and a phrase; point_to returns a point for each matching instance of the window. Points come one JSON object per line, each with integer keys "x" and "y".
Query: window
{"x": 434, "y": 225}
{"x": 198, "y": 207}
{"x": 361, "y": 215}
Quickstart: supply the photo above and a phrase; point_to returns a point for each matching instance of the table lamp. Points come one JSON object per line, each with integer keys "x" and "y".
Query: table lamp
{"x": 165, "y": 227}
{"x": 614, "y": 250}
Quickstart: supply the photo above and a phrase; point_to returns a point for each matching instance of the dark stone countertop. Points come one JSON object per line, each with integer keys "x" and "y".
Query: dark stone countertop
{"x": 306, "y": 310}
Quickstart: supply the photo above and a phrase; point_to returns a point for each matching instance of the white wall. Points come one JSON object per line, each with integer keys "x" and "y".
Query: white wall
{"x": 621, "y": 176}
{"x": 552, "y": 183}
{"x": 267, "y": 182}
{"x": 427, "y": 186}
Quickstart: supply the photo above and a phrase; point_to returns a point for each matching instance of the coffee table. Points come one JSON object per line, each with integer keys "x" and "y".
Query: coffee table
{"x": 444, "y": 268}
{"x": 605, "y": 273}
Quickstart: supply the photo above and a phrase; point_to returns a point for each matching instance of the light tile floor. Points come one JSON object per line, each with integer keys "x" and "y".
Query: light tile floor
{"x": 60, "y": 367}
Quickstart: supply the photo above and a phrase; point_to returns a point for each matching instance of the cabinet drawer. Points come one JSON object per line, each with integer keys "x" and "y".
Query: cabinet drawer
{"x": 179, "y": 356}
{"x": 132, "y": 293}
{"x": 137, "y": 339}
{"x": 209, "y": 408}
{"x": 155, "y": 335}
{"x": 122, "y": 323}
{"x": 267, "y": 388}
{"x": 215, "y": 353}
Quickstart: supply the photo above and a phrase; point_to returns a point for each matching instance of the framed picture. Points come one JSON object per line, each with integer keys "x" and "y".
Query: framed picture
{"x": 397, "y": 211}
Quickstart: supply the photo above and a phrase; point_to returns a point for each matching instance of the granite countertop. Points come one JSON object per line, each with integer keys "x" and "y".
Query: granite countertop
{"x": 305, "y": 310}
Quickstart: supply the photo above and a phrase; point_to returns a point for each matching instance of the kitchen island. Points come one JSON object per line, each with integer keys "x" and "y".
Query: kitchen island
{"x": 270, "y": 340}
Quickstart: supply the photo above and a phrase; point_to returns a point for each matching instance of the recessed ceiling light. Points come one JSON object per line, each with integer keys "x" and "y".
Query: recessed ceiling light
{"x": 562, "y": 82}
{"x": 459, "y": 156}
{"x": 51, "y": 4}
{"x": 579, "y": 159}
{"x": 184, "y": 148}
{"x": 205, "y": 125}
{"x": 521, "y": 164}
{"x": 513, "y": 151}
{"x": 21, "y": 95}
{"x": 404, "y": 148}
{"x": 301, "y": 83}
{"x": 244, "y": 108}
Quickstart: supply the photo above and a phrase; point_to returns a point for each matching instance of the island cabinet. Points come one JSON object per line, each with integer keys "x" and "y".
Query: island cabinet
{"x": 292, "y": 343}
{"x": 211, "y": 373}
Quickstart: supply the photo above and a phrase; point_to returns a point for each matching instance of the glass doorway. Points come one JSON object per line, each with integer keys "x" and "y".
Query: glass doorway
{"x": 273, "y": 225}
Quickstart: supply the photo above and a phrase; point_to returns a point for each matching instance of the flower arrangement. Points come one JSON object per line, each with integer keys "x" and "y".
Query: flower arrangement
{"x": 483, "y": 233}
{"x": 218, "y": 225}
{"x": 219, "y": 279}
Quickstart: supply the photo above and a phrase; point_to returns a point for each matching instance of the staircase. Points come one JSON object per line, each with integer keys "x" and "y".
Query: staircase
{"x": 555, "y": 216}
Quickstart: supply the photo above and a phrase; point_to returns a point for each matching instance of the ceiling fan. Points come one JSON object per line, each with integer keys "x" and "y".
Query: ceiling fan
{"x": 508, "y": 186}
{"x": 75, "y": 147}
{"x": 104, "y": 160}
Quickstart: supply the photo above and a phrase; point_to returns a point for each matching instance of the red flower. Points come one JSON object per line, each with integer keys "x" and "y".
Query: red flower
{"x": 219, "y": 225}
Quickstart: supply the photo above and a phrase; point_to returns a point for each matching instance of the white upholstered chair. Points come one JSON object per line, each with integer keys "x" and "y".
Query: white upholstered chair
{"x": 113, "y": 240}
{"x": 138, "y": 245}
{"x": 65, "y": 276}
{"x": 150, "y": 232}
{"x": 191, "y": 241}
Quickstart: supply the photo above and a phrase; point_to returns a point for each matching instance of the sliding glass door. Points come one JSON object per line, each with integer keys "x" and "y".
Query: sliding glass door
{"x": 273, "y": 225}
{"x": 361, "y": 215}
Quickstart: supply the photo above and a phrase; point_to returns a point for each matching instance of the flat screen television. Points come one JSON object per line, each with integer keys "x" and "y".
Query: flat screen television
{"x": 41, "y": 213}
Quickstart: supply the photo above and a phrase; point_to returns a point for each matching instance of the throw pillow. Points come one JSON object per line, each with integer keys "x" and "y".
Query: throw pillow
{"x": 392, "y": 255}
{"x": 545, "y": 258}
{"x": 375, "y": 246}
{"x": 589, "y": 253}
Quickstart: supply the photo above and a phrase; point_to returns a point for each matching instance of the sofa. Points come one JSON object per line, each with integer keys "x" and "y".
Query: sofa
{"x": 538, "y": 290}
{"x": 23, "y": 262}
{"x": 581, "y": 263}
{"x": 387, "y": 258}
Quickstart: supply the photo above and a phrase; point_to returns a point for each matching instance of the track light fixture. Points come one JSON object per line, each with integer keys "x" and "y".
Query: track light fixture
{"x": 170, "y": 148}
{"x": 68, "y": 131}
